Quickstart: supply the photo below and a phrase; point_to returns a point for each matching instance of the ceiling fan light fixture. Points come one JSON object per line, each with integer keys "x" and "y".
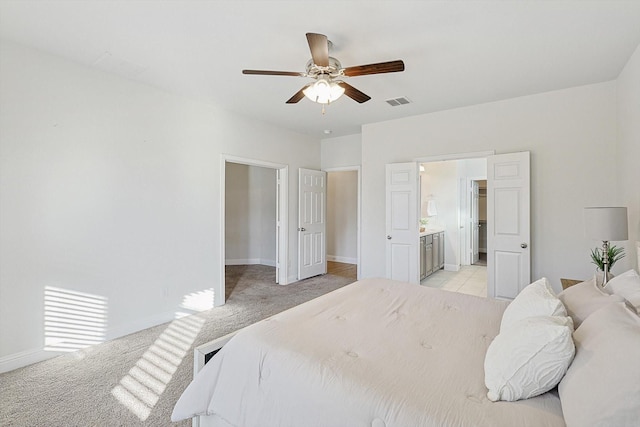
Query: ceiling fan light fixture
{"x": 324, "y": 69}
{"x": 323, "y": 91}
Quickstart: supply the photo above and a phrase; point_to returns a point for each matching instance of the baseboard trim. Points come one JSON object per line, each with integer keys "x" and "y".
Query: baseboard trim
{"x": 29, "y": 357}
{"x": 251, "y": 261}
{"x": 452, "y": 267}
{"x": 24, "y": 358}
{"x": 242, "y": 261}
{"x": 346, "y": 260}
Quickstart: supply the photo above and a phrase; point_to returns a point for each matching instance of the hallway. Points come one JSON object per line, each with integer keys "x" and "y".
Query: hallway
{"x": 471, "y": 279}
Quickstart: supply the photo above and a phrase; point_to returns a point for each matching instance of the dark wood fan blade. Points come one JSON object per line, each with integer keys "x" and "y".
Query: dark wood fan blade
{"x": 354, "y": 93}
{"x": 298, "y": 95}
{"x": 319, "y": 47}
{"x": 273, "y": 73}
{"x": 379, "y": 68}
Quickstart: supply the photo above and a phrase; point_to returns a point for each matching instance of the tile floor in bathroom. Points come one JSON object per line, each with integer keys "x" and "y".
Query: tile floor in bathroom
{"x": 471, "y": 279}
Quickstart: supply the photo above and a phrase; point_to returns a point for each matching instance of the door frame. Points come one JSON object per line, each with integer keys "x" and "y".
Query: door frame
{"x": 357, "y": 169}
{"x": 468, "y": 258}
{"x": 462, "y": 238}
{"x": 282, "y": 226}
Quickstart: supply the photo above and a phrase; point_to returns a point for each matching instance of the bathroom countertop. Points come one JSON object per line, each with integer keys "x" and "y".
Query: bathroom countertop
{"x": 431, "y": 231}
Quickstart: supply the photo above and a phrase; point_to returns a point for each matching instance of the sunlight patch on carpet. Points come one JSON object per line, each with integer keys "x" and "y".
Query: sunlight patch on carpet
{"x": 141, "y": 388}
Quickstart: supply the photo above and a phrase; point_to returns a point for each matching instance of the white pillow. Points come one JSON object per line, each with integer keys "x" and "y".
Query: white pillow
{"x": 537, "y": 299}
{"x": 627, "y": 285}
{"x": 529, "y": 358}
{"x": 602, "y": 385}
{"x": 585, "y": 298}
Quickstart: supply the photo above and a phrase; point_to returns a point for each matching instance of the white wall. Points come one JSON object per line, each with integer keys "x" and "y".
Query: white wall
{"x": 473, "y": 168}
{"x": 250, "y": 214}
{"x": 341, "y": 151}
{"x": 342, "y": 216}
{"x": 112, "y": 188}
{"x": 265, "y": 182}
{"x": 238, "y": 216}
{"x": 440, "y": 183}
{"x": 628, "y": 157}
{"x": 443, "y": 182}
{"x": 571, "y": 136}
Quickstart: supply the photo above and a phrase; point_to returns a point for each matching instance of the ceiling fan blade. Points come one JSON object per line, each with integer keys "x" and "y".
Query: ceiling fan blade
{"x": 379, "y": 68}
{"x": 319, "y": 47}
{"x": 273, "y": 73}
{"x": 354, "y": 93}
{"x": 298, "y": 95}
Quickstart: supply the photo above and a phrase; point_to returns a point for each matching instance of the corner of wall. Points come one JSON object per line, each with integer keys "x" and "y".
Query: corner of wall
{"x": 341, "y": 151}
{"x": 627, "y": 154}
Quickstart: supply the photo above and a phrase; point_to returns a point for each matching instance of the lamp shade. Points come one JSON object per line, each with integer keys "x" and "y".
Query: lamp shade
{"x": 606, "y": 223}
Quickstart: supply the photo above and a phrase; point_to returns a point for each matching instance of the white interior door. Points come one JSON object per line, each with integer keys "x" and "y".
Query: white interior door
{"x": 508, "y": 221}
{"x": 475, "y": 223}
{"x": 278, "y": 225}
{"x": 402, "y": 249}
{"x": 312, "y": 223}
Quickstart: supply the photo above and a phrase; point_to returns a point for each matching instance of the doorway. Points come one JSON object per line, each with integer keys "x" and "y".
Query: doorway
{"x": 450, "y": 207}
{"x": 250, "y": 227}
{"x": 343, "y": 219}
{"x": 479, "y": 215}
{"x": 508, "y": 221}
{"x": 254, "y": 220}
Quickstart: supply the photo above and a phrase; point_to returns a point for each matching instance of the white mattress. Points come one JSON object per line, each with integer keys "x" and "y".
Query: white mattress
{"x": 374, "y": 353}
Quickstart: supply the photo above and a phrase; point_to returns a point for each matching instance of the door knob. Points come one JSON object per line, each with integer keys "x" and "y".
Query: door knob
{"x": 388, "y": 237}
{"x": 523, "y": 245}
{"x": 302, "y": 229}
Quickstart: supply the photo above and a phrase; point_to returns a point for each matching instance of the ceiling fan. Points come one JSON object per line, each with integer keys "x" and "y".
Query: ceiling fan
{"x": 327, "y": 73}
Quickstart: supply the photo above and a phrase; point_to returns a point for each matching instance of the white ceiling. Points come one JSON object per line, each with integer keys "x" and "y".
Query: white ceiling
{"x": 456, "y": 53}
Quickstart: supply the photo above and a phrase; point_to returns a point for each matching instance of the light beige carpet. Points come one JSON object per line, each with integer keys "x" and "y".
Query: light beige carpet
{"x": 101, "y": 385}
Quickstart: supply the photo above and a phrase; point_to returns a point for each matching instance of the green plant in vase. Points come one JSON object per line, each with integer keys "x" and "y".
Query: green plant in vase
{"x": 614, "y": 254}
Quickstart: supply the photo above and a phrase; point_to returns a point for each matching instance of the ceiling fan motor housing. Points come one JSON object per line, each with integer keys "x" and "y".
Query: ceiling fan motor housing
{"x": 333, "y": 70}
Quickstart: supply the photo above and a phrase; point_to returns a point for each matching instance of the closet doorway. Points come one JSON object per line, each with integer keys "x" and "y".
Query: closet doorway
{"x": 253, "y": 222}
{"x": 478, "y": 222}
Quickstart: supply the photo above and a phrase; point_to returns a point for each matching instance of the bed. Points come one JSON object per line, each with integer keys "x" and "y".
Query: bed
{"x": 375, "y": 353}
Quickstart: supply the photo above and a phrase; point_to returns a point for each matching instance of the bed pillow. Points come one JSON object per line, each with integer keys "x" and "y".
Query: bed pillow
{"x": 537, "y": 299}
{"x": 529, "y": 358}
{"x": 602, "y": 385}
{"x": 584, "y": 298}
{"x": 627, "y": 285}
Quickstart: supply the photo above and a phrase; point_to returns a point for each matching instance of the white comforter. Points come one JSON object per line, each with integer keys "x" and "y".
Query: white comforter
{"x": 374, "y": 353}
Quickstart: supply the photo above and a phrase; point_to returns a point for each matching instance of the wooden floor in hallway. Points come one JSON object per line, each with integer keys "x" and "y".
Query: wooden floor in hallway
{"x": 350, "y": 271}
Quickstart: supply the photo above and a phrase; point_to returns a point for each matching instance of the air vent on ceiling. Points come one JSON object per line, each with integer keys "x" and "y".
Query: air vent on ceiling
{"x": 398, "y": 101}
